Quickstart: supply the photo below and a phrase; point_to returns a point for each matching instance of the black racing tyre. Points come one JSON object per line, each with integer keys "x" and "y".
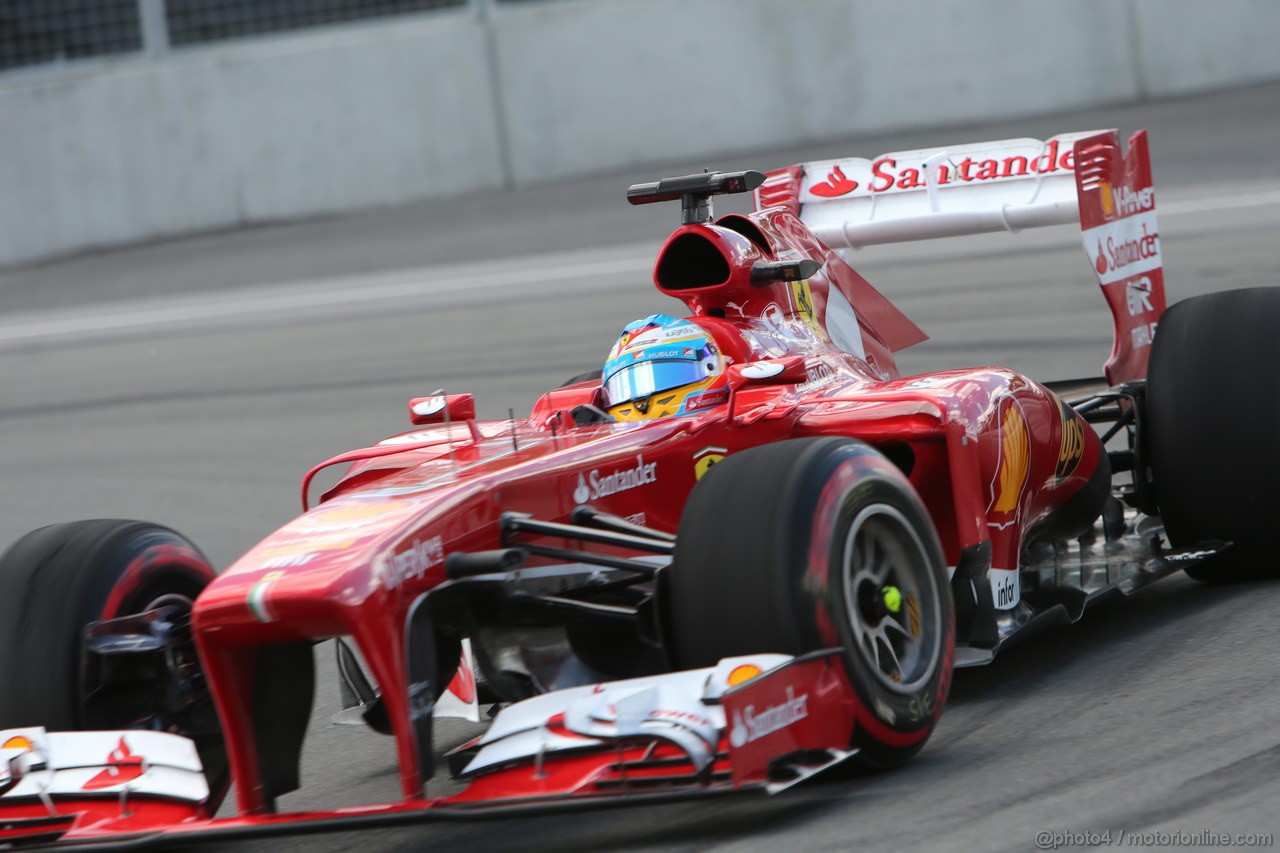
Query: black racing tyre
{"x": 58, "y": 579}
{"x": 794, "y": 546}
{"x": 1212, "y": 414}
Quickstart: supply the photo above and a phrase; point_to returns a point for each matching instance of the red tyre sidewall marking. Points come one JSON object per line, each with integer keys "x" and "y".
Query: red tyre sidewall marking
{"x": 826, "y": 514}
{"x": 147, "y": 566}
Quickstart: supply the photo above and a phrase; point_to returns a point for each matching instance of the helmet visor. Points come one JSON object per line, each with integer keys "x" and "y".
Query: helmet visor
{"x": 644, "y": 378}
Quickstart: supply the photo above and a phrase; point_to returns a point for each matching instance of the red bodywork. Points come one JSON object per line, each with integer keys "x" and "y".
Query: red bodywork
{"x": 990, "y": 452}
{"x": 995, "y": 458}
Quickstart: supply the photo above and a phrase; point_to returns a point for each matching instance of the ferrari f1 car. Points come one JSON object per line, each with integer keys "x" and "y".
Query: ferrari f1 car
{"x": 745, "y": 551}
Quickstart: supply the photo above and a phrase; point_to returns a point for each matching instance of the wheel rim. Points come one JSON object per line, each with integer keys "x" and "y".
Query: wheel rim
{"x": 893, "y": 612}
{"x": 185, "y": 691}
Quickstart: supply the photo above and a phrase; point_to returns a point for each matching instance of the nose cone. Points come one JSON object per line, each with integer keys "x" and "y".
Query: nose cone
{"x": 297, "y": 581}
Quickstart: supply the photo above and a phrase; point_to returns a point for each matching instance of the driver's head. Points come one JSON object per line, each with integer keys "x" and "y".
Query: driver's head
{"x": 662, "y": 366}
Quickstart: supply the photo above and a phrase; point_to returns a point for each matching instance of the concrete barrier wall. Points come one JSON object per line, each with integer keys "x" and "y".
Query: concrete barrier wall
{"x": 511, "y": 94}
{"x": 259, "y": 130}
{"x": 1182, "y": 48}
{"x": 638, "y": 77}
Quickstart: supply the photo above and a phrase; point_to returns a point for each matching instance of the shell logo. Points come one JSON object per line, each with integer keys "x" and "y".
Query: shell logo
{"x": 355, "y": 512}
{"x": 1015, "y": 462}
{"x": 1108, "y": 200}
{"x": 344, "y": 517}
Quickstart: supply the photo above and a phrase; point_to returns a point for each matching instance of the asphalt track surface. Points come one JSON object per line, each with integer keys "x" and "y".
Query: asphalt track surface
{"x": 193, "y": 382}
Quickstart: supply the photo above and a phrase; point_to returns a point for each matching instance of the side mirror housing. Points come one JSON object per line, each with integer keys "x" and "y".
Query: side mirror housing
{"x": 442, "y": 408}
{"x": 773, "y": 371}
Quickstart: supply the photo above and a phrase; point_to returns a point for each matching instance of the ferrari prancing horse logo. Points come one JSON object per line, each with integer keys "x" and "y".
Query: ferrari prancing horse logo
{"x": 705, "y": 458}
{"x": 802, "y": 300}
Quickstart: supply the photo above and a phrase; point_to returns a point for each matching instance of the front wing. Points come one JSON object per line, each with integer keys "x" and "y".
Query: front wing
{"x": 754, "y": 723}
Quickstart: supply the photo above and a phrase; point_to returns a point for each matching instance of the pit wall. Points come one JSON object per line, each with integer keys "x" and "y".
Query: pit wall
{"x": 504, "y": 94}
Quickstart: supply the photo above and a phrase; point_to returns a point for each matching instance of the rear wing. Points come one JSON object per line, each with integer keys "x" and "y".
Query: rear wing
{"x": 1009, "y": 185}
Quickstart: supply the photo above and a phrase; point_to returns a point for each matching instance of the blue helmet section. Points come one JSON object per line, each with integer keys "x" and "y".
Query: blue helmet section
{"x": 658, "y": 353}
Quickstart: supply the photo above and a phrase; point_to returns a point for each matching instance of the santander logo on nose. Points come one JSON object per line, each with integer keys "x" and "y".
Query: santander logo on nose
{"x": 596, "y": 485}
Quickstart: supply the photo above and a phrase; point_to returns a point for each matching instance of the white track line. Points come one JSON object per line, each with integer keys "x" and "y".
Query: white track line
{"x": 1206, "y": 205}
{"x": 292, "y": 298}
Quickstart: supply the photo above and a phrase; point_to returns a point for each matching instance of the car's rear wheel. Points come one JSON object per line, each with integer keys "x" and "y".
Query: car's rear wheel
{"x": 60, "y": 579}
{"x": 819, "y": 543}
{"x": 1213, "y": 409}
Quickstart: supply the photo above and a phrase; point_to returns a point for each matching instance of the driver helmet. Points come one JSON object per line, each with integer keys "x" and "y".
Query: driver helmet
{"x": 663, "y": 366}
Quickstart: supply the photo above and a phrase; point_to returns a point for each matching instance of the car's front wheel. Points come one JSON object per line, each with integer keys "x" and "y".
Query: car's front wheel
{"x": 820, "y": 543}
{"x": 60, "y": 580}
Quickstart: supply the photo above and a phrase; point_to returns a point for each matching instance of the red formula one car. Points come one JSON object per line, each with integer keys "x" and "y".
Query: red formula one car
{"x": 745, "y": 551}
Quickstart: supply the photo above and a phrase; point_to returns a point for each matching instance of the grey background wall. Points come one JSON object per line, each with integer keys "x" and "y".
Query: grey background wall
{"x": 498, "y": 94}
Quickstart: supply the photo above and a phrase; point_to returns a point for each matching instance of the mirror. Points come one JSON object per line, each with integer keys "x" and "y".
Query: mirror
{"x": 773, "y": 371}
{"x": 442, "y": 408}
